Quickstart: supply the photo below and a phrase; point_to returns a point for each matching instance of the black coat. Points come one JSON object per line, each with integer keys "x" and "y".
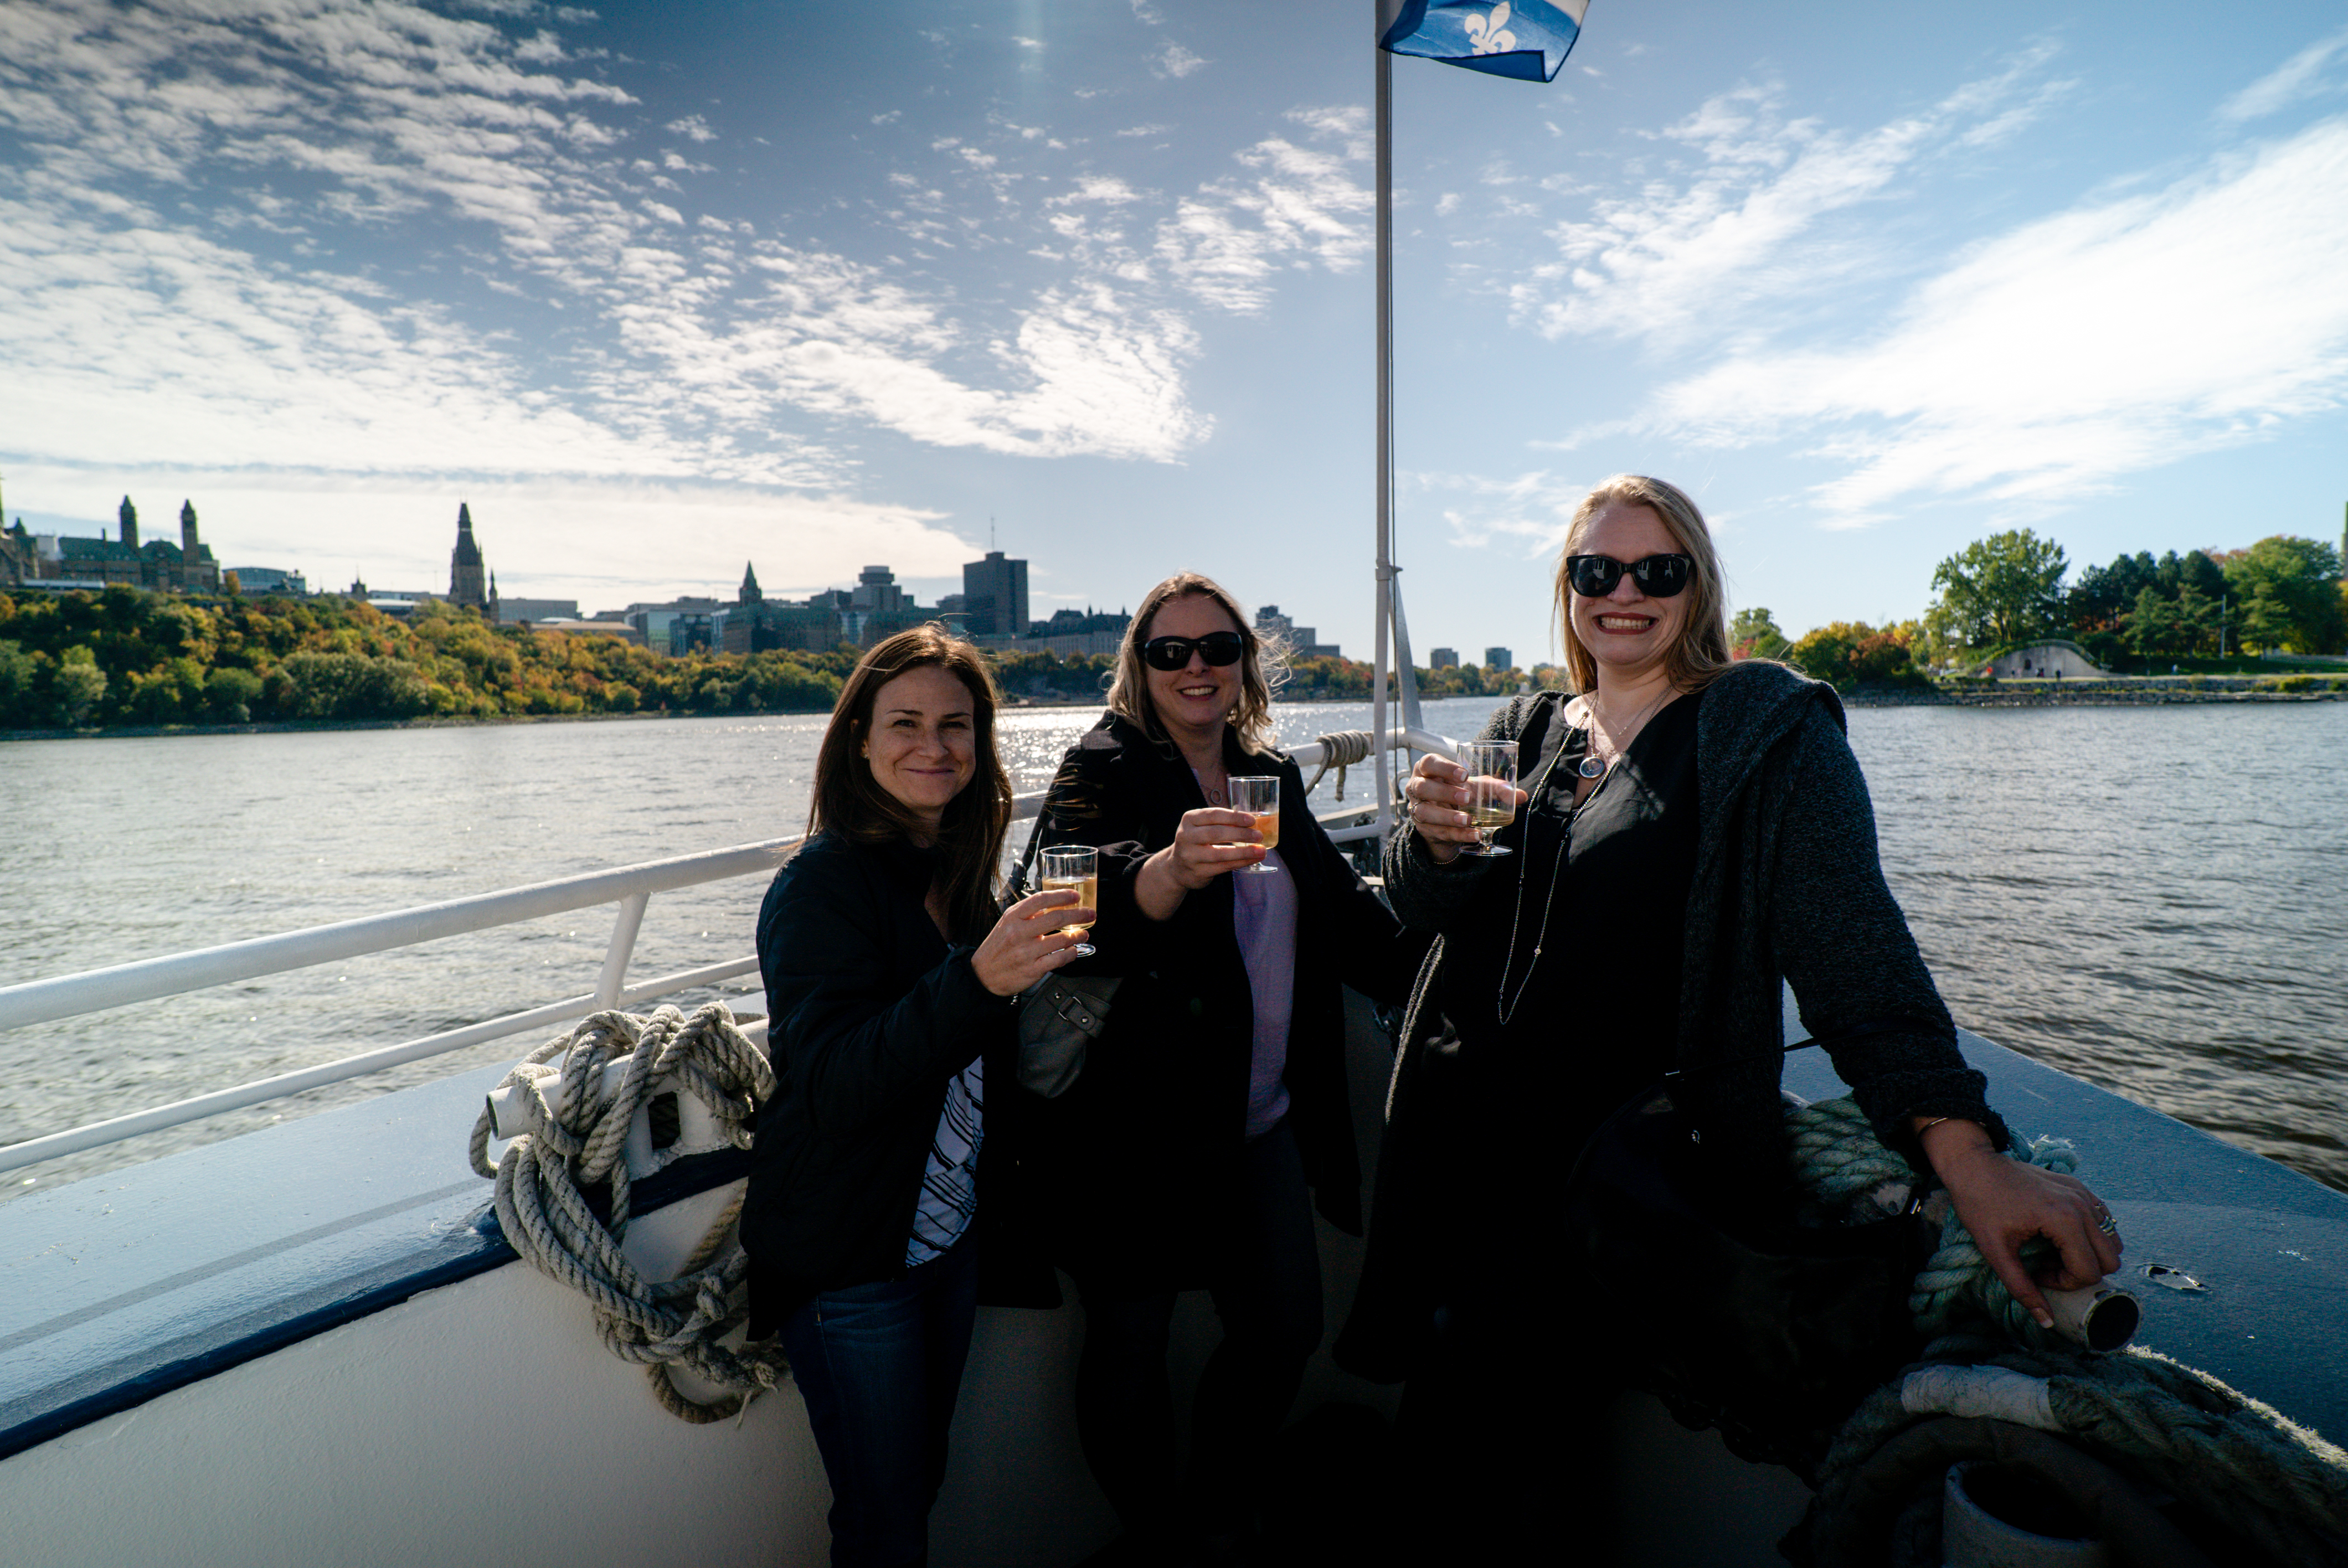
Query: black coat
{"x": 1120, "y": 1169}
{"x": 871, "y": 1014}
{"x": 1787, "y": 888}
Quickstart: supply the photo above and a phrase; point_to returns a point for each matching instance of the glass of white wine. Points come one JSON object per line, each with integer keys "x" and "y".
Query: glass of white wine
{"x": 1077, "y": 866}
{"x": 1259, "y": 798}
{"x": 1491, "y": 792}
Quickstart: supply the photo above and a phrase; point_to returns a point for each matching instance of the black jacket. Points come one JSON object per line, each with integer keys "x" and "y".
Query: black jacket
{"x": 871, "y": 1015}
{"x": 1787, "y": 888}
{"x": 1120, "y": 1163}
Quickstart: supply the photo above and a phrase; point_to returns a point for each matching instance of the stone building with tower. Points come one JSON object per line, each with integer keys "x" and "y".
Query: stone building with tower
{"x": 62, "y": 562}
{"x": 467, "y": 577}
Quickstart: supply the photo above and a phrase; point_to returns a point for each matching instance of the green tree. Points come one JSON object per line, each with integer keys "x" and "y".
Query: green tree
{"x": 1755, "y": 634}
{"x": 2288, "y": 589}
{"x": 16, "y": 670}
{"x": 2005, "y": 589}
{"x": 1849, "y": 654}
{"x": 80, "y": 686}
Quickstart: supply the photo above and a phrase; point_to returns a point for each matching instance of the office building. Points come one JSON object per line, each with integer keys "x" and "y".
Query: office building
{"x": 1498, "y": 659}
{"x": 995, "y": 596}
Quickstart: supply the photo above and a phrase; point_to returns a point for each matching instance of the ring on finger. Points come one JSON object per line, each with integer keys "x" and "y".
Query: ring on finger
{"x": 2106, "y": 1223}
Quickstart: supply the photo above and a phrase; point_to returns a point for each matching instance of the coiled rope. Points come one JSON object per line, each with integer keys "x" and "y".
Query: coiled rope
{"x": 546, "y": 1219}
{"x": 1845, "y": 1173}
{"x": 2240, "y": 1462}
{"x": 1340, "y": 750}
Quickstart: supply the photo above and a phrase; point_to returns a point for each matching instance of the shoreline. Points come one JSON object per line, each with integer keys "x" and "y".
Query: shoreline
{"x": 2155, "y": 691}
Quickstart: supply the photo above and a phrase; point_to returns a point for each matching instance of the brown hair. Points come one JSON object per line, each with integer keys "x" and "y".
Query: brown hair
{"x": 1261, "y": 670}
{"x": 1701, "y": 653}
{"x": 850, "y": 802}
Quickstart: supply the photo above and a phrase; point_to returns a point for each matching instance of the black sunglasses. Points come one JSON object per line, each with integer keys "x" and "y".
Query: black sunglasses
{"x": 1173, "y": 653}
{"x": 1658, "y": 577}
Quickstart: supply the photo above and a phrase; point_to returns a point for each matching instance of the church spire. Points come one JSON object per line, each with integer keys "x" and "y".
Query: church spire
{"x": 751, "y": 594}
{"x": 465, "y": 586}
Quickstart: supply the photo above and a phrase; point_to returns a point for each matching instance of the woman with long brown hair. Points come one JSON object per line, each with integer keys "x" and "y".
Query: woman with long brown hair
{"x": 1212, "y": 1112}
{"x": 891, "y": 986}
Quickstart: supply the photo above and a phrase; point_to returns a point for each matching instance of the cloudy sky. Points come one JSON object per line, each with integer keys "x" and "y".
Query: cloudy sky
{"x": 660, "y": 290}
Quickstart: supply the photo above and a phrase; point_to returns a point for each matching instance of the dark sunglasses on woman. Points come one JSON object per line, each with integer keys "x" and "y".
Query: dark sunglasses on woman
{"x": 1174, "y": 653}
{"x": 1658, "y": 577}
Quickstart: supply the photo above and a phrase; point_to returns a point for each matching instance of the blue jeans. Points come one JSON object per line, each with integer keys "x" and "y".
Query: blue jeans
{"x": 879, "y": 1365}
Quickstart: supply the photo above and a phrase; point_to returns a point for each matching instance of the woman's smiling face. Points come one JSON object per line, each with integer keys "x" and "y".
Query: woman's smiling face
{"x": 1625, "y": 631}
{"x": 1196, "y": 698}
{"x": 923, "y": 746}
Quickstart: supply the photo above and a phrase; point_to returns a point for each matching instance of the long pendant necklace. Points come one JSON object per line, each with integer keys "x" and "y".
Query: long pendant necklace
{"x": 1591, "y": 766}
{"x": 1506, "y": 1003}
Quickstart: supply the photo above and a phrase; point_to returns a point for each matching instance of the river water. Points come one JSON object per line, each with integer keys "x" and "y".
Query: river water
{"x": 2153, "y": 899}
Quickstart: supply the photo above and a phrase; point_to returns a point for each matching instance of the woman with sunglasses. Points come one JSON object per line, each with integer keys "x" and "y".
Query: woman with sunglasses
{"x": 890, "y": 987}
{"x": 1215, "y": 1097}
{"x": 1696, "y": 832}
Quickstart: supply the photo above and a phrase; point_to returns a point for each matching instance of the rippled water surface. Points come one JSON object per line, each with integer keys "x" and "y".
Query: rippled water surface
{"x": 2154, "y": 898}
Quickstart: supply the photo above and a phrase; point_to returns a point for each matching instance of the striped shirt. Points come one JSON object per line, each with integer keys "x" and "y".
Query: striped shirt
{"x": 950, "y": 1183}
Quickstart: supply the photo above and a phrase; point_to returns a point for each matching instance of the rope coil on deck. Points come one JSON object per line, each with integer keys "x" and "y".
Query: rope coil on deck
{"x": 1341, "y": 749}
{"x": 541, "y": 1207}
{"x": 2240, "y": 1462}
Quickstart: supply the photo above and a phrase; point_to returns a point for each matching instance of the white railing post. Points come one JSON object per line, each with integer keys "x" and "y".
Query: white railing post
{"x": 624, "y": 945}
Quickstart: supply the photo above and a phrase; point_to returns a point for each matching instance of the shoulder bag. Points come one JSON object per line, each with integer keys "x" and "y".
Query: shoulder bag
{"x": 1061, "y": 1015}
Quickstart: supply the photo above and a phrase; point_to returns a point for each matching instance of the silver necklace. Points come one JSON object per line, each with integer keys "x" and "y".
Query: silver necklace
{"x": 1591, "y": 764}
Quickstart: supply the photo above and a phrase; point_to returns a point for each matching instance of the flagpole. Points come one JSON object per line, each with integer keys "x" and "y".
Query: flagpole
{"x": 1385, "y": 420}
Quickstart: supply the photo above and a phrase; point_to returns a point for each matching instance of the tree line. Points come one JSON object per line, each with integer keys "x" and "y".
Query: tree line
{"x": 126, "y": 656}
{"x": 2282, "y": 594}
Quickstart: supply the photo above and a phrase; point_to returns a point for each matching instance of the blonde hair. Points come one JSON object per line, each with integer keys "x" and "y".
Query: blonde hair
{"x": 1700, "y": 652}
{"x": 1262, "y": 672}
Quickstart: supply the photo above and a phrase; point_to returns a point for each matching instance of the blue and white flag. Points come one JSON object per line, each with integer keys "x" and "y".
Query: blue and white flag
{"x": 1527, "y": 39}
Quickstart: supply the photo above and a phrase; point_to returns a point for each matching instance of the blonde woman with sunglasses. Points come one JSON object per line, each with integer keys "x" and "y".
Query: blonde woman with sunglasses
{"x": 1695, "y": 833}
{"x": 1211, "y": 1116}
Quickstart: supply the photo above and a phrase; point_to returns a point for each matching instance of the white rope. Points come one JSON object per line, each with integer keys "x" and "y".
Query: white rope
{"x": 547, "y": 1220}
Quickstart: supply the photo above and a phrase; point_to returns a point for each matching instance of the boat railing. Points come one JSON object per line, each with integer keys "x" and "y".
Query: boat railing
{"x": 628, "y": 888}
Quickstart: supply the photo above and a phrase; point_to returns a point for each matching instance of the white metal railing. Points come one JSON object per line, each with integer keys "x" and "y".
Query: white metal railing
{"x": 628, "y": 888}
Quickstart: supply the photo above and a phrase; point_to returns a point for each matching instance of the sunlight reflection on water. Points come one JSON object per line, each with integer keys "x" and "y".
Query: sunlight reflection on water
{"x": 2149, "y": 897}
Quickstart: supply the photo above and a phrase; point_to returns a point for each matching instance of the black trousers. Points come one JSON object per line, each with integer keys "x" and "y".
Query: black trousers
{"x": 1265, "y": 1279}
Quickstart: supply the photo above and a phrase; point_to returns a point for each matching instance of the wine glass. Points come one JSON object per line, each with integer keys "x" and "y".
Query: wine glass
{"x": 1259, "y": 798}
{"x": 1491, "y": 792}
{"x": 1075, "y": 865}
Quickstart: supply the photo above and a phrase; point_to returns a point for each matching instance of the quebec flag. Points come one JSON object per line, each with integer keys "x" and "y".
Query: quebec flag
{"x": 1527, "y": 39}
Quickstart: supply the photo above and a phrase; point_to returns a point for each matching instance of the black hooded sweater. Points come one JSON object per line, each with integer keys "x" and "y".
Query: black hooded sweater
{"x": 1788, "y": 889}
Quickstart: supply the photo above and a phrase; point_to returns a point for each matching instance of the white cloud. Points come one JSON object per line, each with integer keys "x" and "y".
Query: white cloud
{"x": 1742, "y": 229}
{"x": 2300, "y": 76}
{"x": 1172, "y": 59}
{"x": 2078, "y": 349}
{"x": 1226, "y": 242}
{"x": 120, "y": 317}
{"x": 1528, "y": 512}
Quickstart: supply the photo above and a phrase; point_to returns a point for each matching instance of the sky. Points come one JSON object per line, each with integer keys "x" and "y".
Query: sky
{"x": 661, "y": 290}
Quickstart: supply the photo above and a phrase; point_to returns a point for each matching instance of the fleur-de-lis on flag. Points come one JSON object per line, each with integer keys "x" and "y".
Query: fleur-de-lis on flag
{"x": 1489, "y": 33}
{"x": 1527, "y": 39}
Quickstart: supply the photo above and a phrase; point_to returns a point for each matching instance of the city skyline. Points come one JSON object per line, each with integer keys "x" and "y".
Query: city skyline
{"x": 703, "y": 286}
